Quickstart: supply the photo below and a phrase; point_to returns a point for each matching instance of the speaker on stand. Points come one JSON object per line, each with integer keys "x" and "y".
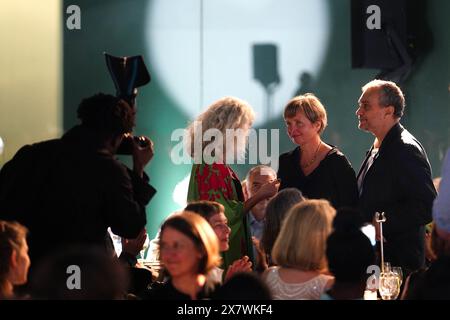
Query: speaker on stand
{"x": 265, "y": 70}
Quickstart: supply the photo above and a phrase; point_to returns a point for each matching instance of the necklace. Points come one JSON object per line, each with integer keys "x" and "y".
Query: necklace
{"x": 313, "y": 158}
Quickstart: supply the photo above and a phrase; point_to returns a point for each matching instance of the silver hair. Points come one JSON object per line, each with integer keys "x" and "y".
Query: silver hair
{"x": 390, "y": 95}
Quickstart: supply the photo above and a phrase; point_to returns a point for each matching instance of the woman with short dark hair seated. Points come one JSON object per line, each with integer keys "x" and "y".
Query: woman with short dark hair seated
{"x": 214, "y": 213}
{"x": 189, "y": 250}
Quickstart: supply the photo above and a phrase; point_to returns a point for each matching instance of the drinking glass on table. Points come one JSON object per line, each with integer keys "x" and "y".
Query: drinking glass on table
{"x": 398, "y": 271}
{"x": 389, "y": 285}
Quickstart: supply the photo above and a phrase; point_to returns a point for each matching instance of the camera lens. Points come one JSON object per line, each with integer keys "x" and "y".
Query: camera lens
{"x": 140, "y": 141}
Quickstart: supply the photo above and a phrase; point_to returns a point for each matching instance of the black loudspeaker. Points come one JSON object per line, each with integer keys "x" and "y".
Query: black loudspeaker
{"x": 388, "y": 35}
{"x": 265, "y": 65}
{"x": 265, "y": 70}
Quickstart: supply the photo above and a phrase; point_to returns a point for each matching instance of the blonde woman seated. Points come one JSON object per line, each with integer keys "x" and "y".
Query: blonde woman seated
{"x": 299, "y": 253}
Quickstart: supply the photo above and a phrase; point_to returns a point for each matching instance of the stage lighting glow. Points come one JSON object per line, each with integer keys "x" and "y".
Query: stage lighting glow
{"x": 179, "y": 195}
{"x": 202, "y": 50}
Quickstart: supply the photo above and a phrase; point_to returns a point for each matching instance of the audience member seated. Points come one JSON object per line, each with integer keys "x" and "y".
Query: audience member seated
{"x": 214, "y": 213}
{"x": 14, "y": 260}
{"x": 153, "y": 253}
{"x": 80, "y": 273}
{"x": 243, "y": 286}
{"x": 189, "y": 250}
{"x": 127, "y": 250}
{"x": 299, "y": 253}
{"x": 429, "y": 254}
{"x": 349, "y": 253}
{"x": 276, "y": 211}
{"x": 255, "y": 179}
{"x": 140, "y": 276}
{"x": 434, "y": 282}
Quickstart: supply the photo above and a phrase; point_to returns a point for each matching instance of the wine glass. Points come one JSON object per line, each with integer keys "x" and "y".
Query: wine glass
{"x": 386, "y": 267}
{"x": 389, "y": 285}
{"x": 398, "y": 271}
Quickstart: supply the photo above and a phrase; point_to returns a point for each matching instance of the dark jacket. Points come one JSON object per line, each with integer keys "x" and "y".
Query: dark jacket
{"x": 68, "y": 192}
{"x": 399, "y": 184}
{"x": 334, "y": 179}
{"x": 430, "y": 284}
{"x": 167, "y": 291}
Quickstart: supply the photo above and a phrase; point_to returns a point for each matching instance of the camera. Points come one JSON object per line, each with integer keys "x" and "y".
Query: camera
{"x": 126, "y": 147}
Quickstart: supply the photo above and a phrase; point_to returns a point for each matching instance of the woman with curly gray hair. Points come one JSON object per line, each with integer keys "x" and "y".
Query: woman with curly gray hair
{"x": 217, "y": 137}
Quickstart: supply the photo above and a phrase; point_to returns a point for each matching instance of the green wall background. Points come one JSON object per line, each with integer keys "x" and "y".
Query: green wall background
{"x": 116, "y": 27}
{"x": 31, "y": 73}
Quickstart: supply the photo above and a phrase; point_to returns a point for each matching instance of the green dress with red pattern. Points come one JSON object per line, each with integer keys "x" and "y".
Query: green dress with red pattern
{"x": 218, "y": 182}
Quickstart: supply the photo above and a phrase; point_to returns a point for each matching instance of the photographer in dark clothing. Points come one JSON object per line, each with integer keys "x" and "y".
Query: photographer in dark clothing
{"x": 68, "y": 191}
